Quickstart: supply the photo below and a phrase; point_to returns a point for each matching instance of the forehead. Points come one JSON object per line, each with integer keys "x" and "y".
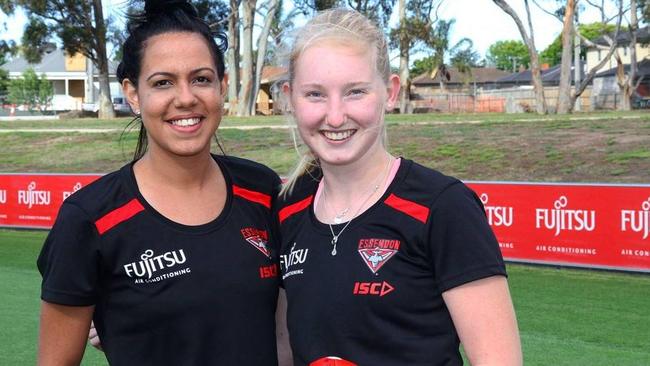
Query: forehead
{"x": 176, "y": 50}
{"x": 331, "y": 59}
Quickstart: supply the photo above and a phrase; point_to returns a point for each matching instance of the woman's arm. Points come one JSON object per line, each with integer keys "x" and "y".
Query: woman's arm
{"x": 63, "y": 332}
{"x": 285, "y": 357}
{"x": 485, "y": 320}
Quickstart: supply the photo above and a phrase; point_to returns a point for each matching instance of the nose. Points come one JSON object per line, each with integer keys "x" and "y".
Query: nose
{"x": 336, "y": 115}
{"x": 185, "y": 96}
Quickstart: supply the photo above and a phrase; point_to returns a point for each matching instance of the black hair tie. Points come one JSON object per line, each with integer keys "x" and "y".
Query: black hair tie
{"x": 155, "y": 7}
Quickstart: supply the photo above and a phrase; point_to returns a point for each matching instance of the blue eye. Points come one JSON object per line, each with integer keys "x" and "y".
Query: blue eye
{"x": 313, "y": 94}
{"x": 357, "y": 92}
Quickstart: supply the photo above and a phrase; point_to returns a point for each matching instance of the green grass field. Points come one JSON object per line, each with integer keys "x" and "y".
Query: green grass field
{"x": 566, "y": 316}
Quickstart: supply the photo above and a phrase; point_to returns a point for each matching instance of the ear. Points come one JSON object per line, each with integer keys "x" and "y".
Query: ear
{"x": 392, "y": 92}
{"x": 224, "y": 85}
{"x": 131, "y": 93}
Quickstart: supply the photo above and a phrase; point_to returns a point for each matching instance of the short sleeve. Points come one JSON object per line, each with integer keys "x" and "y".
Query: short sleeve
{"x": 462, "y": 246}
{"x": 69, "y": 259}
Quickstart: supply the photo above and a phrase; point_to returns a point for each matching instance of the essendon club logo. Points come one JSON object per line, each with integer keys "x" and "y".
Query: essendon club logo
{"x": 258, "y": 239}
{"x": 376, "y": 252}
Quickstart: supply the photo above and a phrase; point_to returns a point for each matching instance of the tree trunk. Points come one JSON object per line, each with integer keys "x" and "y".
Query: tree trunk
{"x": 248, "y": 20}
{"x": 403, "y": 60}
{"x": 262, "y": 43}
{"x": 105, "y": 103}
{"x": 233, "y": 57}
{"x": 629, "y": 84}
{"x": 564, "y": 97}
{"x": 579, "y": 89}
{"x": 536, "y": 75}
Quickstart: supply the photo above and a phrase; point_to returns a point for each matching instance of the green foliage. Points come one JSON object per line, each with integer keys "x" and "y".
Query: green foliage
{"x": 501, "y": 54}
{"x": 34, "y": 39}
{"x": 464, "y": 59}
{"x": 31, "y": 90}
{"x": 5, "y": 48}
{"x": 552, "y": 54}
{"x": 422, "y": 65}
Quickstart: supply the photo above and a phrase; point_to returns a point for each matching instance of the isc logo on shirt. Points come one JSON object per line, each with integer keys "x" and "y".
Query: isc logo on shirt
{"x": 372, "y": 288}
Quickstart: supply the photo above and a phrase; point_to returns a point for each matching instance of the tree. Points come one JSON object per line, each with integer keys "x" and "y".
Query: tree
{"x": 80, "y": 26}
{"x": 422, "y": 65}
{"x": 6, "y": 48}
{"x": 567, "y": 14}
{"x": 564, "y": 88}
{"x": 31, "y": 90}
{"x": 506, "y": 55}
{"x": 552, "y": 54}
{"x": 629, "y": 83}
{"x": 438, "y": 41}
{"x": 529, "y": 40}
{"x": 414, "y": 27}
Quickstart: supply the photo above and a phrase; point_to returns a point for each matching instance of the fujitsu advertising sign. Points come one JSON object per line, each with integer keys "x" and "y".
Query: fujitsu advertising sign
{"x": 586, "y": 225}
{"x": 33, "y": 200}
{"x": 600, "y": 226}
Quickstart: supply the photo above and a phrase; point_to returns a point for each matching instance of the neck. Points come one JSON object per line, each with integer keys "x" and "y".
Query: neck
{"x": 176, "y": 171}
{"x": 349, "y": 190}
{"x": 345, "y": 182}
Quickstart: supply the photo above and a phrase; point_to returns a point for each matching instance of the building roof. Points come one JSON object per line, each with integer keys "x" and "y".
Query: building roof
{"x": 478, "y": 75}
{"x": 643, "y": 67}
{"x": 53, "y": 61}
{"x": 642, "y": 36}
{"x": 271, "y": 74}
{"x": 549, "y": 76}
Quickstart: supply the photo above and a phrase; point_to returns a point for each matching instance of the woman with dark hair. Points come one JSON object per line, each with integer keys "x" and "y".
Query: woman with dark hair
{"x": 171, "y": 255}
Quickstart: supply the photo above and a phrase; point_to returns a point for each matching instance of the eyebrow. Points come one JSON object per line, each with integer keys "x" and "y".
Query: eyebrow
{"x": 169, "y": 74}
{"x": 345, "y": 86}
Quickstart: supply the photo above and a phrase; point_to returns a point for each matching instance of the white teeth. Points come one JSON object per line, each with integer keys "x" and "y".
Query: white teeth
{"x": 185, "y": 122}
{"x": 338, "y": 136}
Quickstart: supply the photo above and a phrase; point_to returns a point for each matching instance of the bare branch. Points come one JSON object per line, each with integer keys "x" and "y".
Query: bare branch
{"x": 556, "y": 16}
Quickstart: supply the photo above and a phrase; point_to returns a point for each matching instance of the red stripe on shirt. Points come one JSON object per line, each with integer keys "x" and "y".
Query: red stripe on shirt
{"x": 253, "y": 196}
{"x": 118, "y": 215}
{"x": 294, "y": 208}
{"x": 415, "y": 210}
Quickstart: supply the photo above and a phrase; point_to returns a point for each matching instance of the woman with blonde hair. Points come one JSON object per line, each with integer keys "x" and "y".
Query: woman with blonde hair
{"x": 384, "y": 261}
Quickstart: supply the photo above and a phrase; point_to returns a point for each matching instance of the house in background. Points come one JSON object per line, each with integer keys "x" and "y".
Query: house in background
{"x": 595, "y": 55}
{"x": 73, "y": 77}
{"x": 459, "y": 93}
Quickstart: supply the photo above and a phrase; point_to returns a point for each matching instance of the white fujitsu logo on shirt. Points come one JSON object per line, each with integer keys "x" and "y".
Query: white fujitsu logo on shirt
{"x": 637, "y": 221}
{"x": 150, "y": 264}
{"x": 295, "y": 257}
{"x": 559, "y": 218}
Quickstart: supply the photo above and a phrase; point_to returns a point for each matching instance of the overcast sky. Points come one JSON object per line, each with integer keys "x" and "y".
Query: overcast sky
{"x": 479, "y": 20}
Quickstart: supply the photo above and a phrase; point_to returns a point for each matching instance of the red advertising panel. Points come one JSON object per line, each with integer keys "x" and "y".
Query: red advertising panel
{"x": 579, "y": 225}
{"x": 598, "y": 226}
{"x": 33, "y": 200}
